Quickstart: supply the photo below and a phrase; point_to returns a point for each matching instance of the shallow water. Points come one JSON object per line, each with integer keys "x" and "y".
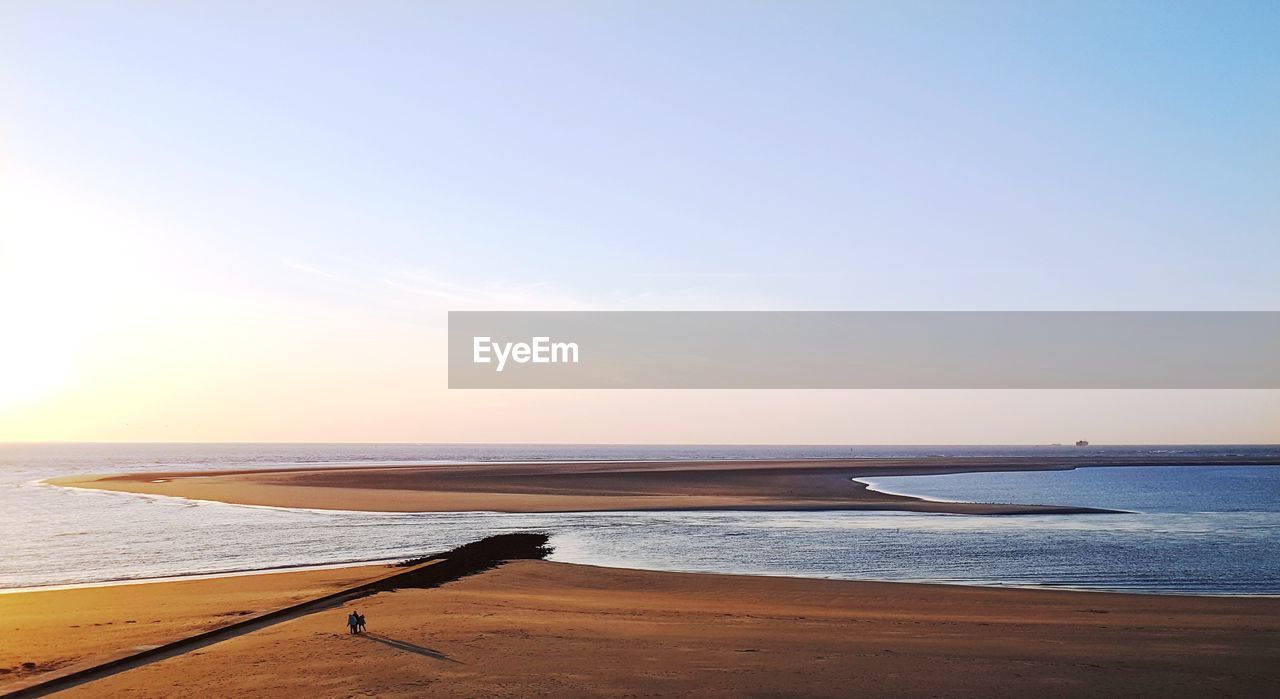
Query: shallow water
{"x": 1193, "y": 529}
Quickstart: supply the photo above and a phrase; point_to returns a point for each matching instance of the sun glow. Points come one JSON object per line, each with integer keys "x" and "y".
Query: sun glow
{"x": 32, "y": 364}
{"x": 37, "y": 349}
{"x": 52, "y": 258}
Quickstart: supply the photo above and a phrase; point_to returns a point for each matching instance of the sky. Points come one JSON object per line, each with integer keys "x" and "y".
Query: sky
{"x": 246, "y": 222}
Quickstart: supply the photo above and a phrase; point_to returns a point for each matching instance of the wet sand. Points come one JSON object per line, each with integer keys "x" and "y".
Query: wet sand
{"x": 580, "y": 486}
{"x": 539, "y": 628}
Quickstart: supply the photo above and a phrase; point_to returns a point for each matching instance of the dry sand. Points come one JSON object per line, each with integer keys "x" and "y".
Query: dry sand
{"x": 533, "y": 628}
{"x": 50, "y": 630}
{"x": 595, "y": 486}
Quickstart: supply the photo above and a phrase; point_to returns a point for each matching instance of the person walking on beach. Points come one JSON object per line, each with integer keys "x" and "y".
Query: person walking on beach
{"x": 359, "y": 622}
{"x": 353, "y": 623}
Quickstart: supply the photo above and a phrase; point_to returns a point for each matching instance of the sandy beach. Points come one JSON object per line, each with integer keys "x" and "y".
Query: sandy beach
{"x": 540, "y": 628}
{"x": 58, "y": 630}
{"x": 533, "y": 627}
{"x": 580, "y": 486}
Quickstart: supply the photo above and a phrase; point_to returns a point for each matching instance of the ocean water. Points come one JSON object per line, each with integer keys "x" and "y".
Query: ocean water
{"x": 1149, "y": 489}
{"x": 1206, "y": 530}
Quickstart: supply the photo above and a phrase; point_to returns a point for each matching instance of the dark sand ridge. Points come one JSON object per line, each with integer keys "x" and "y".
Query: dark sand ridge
{"x": 576, "y": 486}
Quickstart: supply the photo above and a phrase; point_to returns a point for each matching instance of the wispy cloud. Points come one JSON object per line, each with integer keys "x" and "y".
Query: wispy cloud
{"x": 426, "y": 289}
{"x": 489, "y": 295}
{"x": 511, "y": 295}
{"x": 310, "y": 268}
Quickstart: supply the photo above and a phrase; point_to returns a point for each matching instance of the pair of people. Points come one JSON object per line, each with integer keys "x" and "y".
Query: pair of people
{"x": 355, "y": 622}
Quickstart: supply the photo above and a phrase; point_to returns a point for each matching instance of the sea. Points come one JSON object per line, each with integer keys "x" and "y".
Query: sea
{"x": 1183, "y": 530}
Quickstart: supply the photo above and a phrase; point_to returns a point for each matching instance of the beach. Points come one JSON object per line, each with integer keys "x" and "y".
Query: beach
{"x": 59, "y": 630}
{"x": 586, "y": 486}
{"x": 552, "y": 628}
{"x": 533, "y": 627}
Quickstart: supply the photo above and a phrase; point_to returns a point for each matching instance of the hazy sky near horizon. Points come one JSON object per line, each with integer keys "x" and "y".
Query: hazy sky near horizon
{"x": 246, "y": 221}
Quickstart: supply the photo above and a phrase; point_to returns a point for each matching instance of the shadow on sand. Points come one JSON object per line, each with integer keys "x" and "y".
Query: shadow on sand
{"x": 409, "y": 647}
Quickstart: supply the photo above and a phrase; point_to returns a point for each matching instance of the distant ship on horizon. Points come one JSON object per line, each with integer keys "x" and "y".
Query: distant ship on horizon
{"x": 1082, "y": 443}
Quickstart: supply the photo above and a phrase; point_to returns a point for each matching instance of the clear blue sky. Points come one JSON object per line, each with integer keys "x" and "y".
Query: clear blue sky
{"x": 917, "y": 155}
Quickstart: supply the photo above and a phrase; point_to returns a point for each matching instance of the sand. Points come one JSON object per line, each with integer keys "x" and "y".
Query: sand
{"x": 579, "y": 486}
{"x": 533, "y": 628}
{"x": 56, "y": 630}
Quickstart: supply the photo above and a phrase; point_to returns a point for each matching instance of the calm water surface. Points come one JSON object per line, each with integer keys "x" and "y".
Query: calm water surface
{"x": 1190, "y": 530}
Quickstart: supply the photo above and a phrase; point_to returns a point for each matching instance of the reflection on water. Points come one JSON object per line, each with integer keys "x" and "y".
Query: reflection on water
{"x": 1224, "y": 543}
